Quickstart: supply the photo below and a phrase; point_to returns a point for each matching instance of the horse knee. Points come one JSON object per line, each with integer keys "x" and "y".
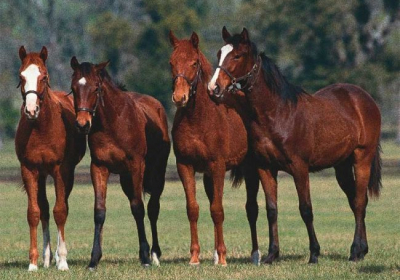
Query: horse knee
{"x": 192, "y": 211}
{"x": 60, "y": 214}
{"x": 306, "y": 213}
{"x": 137, "y": 208}
{"x": 33, "y": 216}
{"x": 217, "y": 213}
{"x": 272, "y": 214}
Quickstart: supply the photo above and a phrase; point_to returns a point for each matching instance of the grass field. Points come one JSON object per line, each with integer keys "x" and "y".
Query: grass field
{"x": 334, "y": 224}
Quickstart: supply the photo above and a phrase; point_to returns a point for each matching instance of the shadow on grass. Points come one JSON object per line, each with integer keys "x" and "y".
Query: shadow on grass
{"x": 372, "y": 269}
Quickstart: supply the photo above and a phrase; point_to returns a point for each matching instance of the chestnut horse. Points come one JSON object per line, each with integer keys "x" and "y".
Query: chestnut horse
{"x": 127, "y": 135}
{"x": 299, "y": 133}
{"x": 211, "y": 139}
{"x": 46, "y": 143}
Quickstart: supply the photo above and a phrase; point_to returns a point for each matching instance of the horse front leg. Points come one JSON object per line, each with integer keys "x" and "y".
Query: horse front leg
{"x": 269, "y": 183}
{"x": 301, "y": 179}
{"x": 252, "y": 186}
{"x": 99, "y": 176}
{"x": 186, "y": 174}
{"x": 30, "y": 179}
{"x": 137, "y": 209}
{"x": 60, "y": 212}
{"x": 44, "y": 218}
{"x": 214, "y": 185}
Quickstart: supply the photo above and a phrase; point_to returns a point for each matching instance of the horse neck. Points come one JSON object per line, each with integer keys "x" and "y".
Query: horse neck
{"x": 110, "y": 104}
{"x": 263, "y": 103}
{"x": 198, "y": 108}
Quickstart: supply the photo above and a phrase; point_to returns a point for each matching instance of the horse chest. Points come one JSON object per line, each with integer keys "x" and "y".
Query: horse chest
{"x": 42, "y": 152}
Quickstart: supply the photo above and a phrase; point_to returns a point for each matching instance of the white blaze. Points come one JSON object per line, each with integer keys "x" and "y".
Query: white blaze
{"x": 82, "y": 81}
{"x": 31, "y": 74}
{"x": 225, "y": 50}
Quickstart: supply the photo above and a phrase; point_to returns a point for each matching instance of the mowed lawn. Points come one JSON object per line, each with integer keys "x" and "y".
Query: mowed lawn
{"x": 334, "y": 224}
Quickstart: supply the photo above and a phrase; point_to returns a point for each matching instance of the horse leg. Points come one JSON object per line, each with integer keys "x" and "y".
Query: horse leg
{"x": 30, "y": 179}
{"x": 60, "y": 212}
{"x": 186, "y": 174}
{"x": 214, "y": 186}
{"x": 44, "y": 218}
{"x": 252, "y": 186}
{"x": 270, "y": 186}
{"x": 302, "y": 183}
{"x": 99, "y": 176}
{"x": 137, "y": 208}
{"x": 362, "y": 170}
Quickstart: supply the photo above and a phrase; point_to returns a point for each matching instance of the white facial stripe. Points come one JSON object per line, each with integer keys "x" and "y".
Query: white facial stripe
{"x": 30, "y": 102}
{"x": 31, "y": 74}
{"x": 82, "y": 81}
{"x": 225, "y": 50}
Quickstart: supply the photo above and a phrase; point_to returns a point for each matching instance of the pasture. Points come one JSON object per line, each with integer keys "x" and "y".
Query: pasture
{"x": 333, "y": 220}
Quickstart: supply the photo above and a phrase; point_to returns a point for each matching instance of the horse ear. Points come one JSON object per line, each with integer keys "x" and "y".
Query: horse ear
{"x": 245, "y": 35}
{"x": 194, "y": 39}
{"x": 174, "y": 41}
{"x": 225, "y": 34}
{"x": 74, "y": 63}
{"x": 102, "y": 65}
{"x": 43, "y": 54}
{"x": 22, "y": 53}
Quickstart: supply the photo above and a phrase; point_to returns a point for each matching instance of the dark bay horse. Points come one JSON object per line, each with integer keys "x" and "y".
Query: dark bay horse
{"x": 339, "y": 126}
{"x": 46, "y": 143}
{"x": 210, "y": 139}
{"x": 127, "y": 135}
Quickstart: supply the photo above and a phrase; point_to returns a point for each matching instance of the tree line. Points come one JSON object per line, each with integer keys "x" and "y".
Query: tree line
{"x": 315, "y": 43}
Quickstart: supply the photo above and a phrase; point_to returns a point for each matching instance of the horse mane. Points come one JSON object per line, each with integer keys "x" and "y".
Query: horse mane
{"x": 206, "y": 67}
{"x": 86, "y": 69}
{"x": 273, "y": 76}
{"x": 278, "y": 83}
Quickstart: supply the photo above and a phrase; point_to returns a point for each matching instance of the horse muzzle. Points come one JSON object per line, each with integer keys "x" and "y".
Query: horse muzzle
{"x": 32, "y": 114}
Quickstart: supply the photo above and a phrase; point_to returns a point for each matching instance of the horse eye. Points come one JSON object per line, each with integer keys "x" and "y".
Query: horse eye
{"x": 194, "y": 64}
{"x": 237, "y": 56}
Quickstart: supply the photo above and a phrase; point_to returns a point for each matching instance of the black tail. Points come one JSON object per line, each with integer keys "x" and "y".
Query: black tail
{"x": 375, "y": 179}
{"x": 237, "y": 176}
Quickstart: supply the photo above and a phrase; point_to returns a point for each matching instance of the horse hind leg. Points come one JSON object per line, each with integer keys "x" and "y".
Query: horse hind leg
{"x": 44, "y": 218}
{"x": 362, "y": 172}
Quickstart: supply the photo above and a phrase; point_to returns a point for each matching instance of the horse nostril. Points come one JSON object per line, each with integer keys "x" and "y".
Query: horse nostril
{"x": 184, "y": 98}
{"x": 216, "y": 90}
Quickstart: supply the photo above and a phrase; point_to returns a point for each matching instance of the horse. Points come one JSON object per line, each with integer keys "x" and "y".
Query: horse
{"x": 210, "y": 139}
{"x": 296, "y": 132}
{"x": 46, "y": 143}
{"x": 127, "y": 135}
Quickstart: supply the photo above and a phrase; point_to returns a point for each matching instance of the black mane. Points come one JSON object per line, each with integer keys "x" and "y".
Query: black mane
{"x": 278, "y": 83}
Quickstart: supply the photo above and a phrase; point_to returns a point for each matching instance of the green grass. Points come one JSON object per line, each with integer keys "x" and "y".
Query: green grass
{"x": 334, "y": 224}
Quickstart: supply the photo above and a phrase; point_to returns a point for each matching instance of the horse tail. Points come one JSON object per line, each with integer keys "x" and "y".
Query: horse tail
{"x": 375, "y": 179}
{"x": 237, "y": 176}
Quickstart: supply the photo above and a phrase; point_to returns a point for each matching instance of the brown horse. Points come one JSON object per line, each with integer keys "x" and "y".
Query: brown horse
{"x": 46, "y": 143}
{"x": 128, "y": 135}
{"x": 211, "y": 139}
{"x": 296, "y": 132}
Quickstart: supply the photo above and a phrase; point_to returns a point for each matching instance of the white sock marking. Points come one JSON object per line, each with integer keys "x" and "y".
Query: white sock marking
{"x": 46, "y": 247}
{"x": 82, "y": 81}
{"x": 154, "y": 259}
{"x": 216, "y": 258}
{"x": 61, "y": 254}
{"x": 256, "y": 257}
{"x": 225, "y": 50}
{"x": 32, "y": 267}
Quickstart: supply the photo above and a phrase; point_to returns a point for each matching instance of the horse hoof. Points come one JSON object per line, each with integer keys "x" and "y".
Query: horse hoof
{"x": 63, "y": 266}
{"x": 194, "y": 263}
{"x": 154, "y": 259}
{"x": 32, "y": 267}
{"x": 256, "y": 257}
{"x": 91, "y": 268}
{"x": 313, "y": 260}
